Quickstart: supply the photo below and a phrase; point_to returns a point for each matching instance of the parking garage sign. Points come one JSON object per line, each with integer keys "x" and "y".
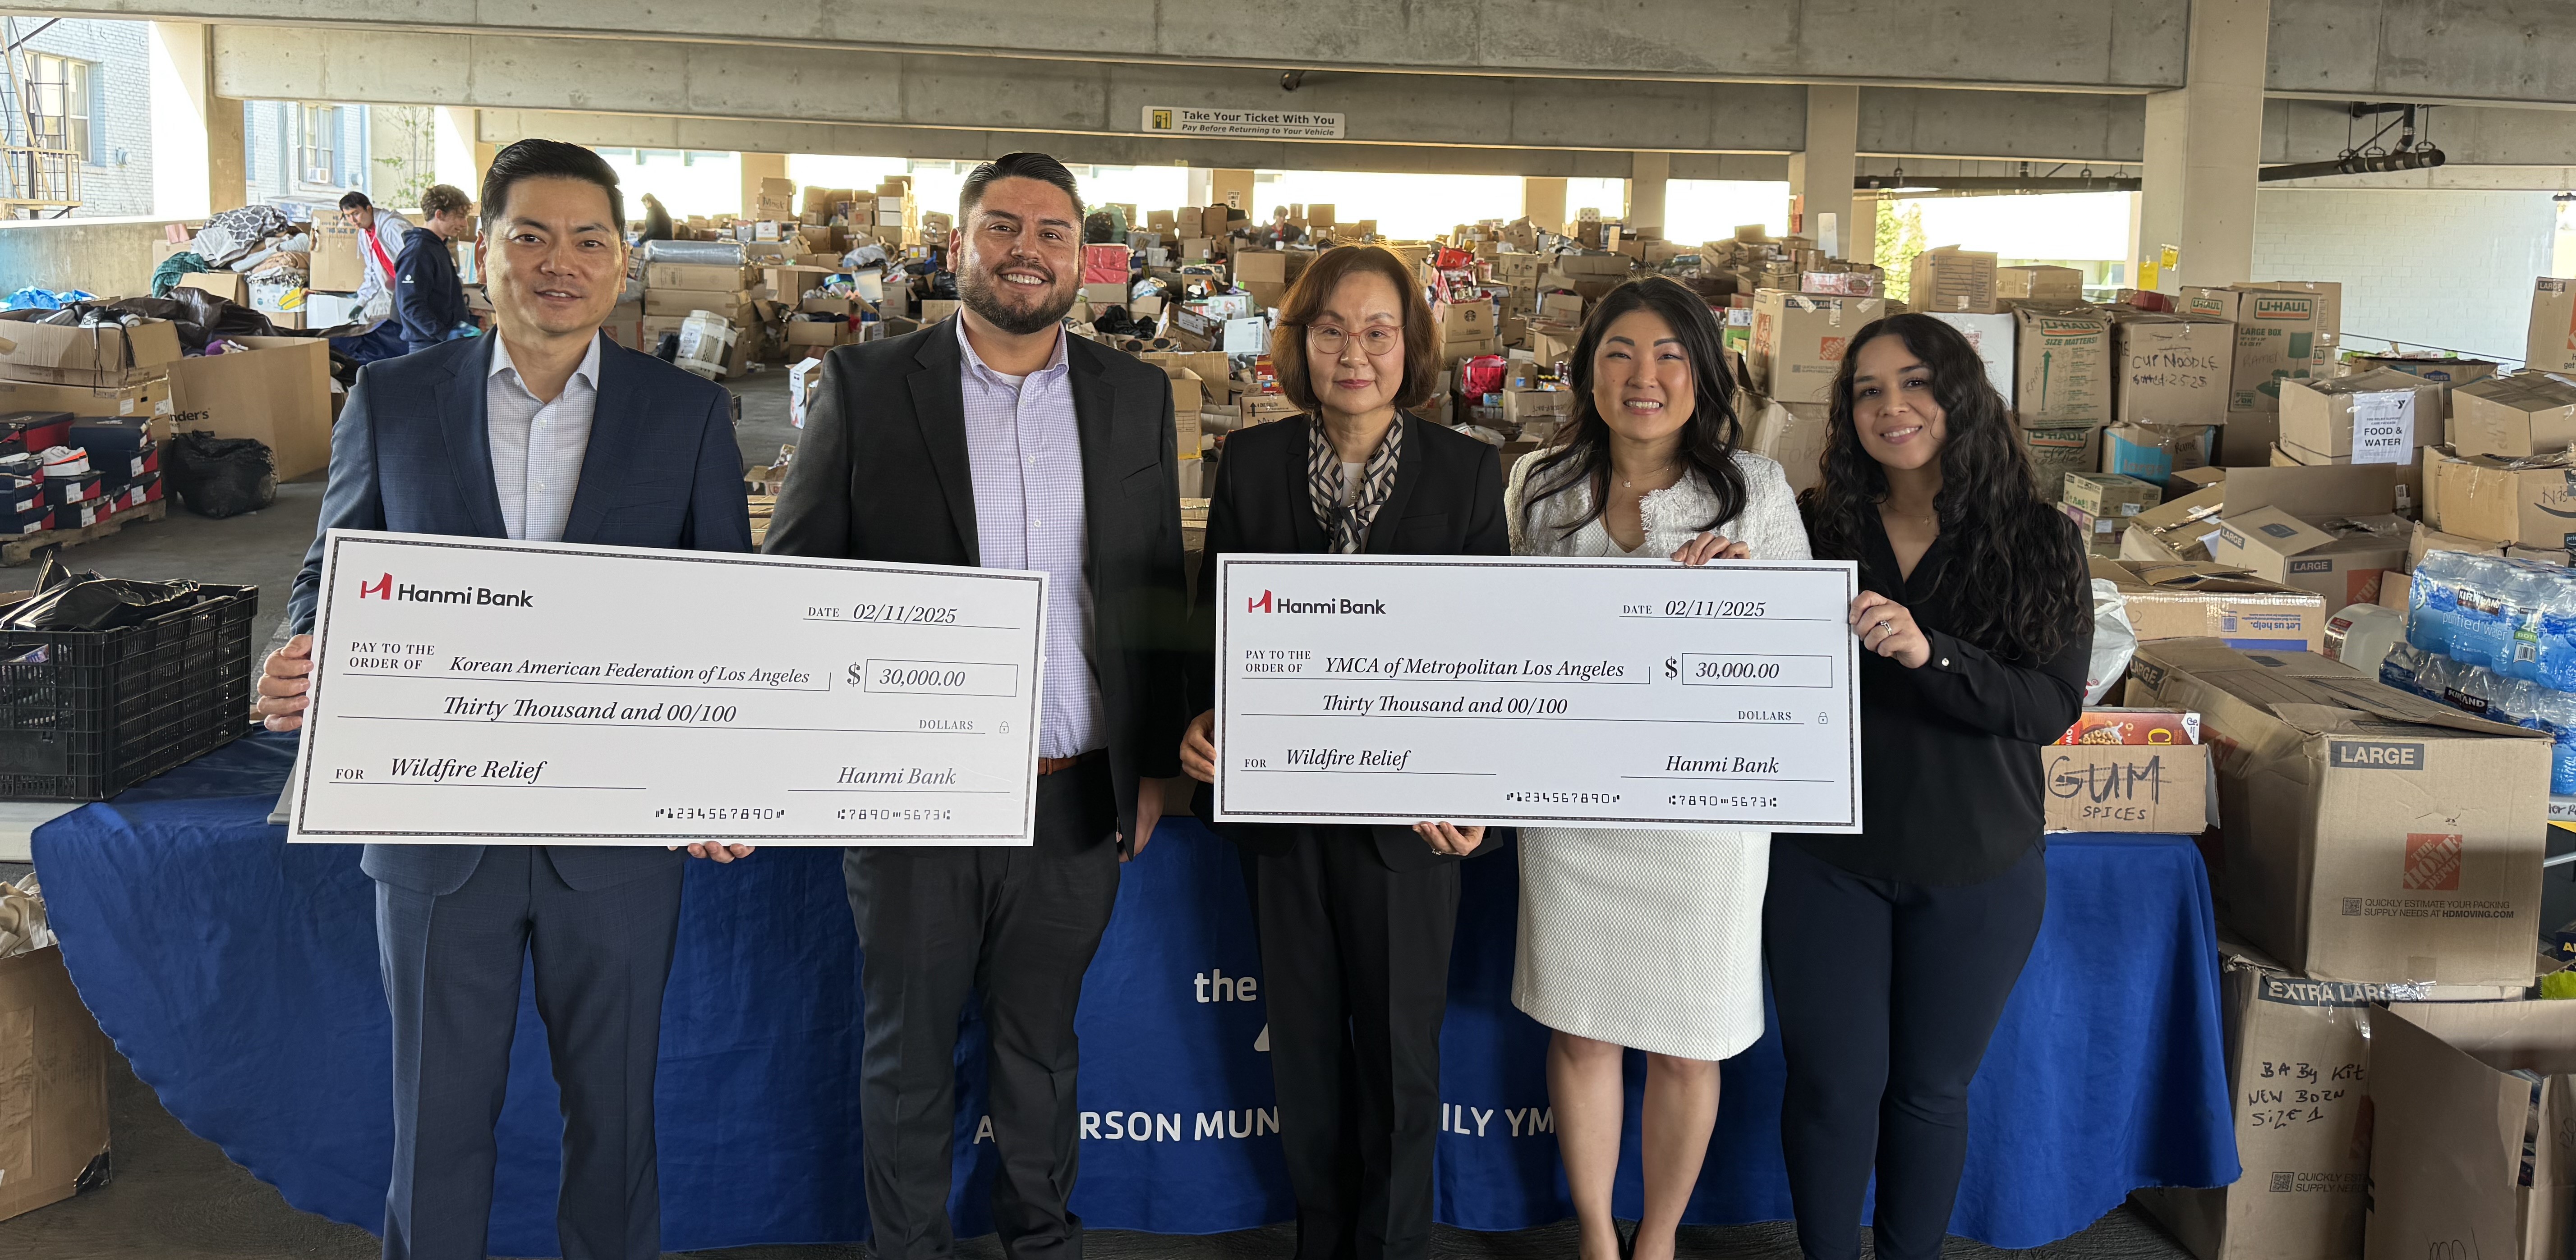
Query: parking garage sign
{"x": 1242, "y": 124}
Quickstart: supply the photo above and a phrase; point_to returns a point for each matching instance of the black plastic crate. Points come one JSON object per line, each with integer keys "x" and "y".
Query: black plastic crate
{"x": 85, "y": 715}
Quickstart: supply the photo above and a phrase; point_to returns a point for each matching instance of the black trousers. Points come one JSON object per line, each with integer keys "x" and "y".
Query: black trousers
{"x": 1887, "y": 994}
{"x": 1355, "y": 967}
{"x": 1016, "y": 927}
{"x": 451, "y": 966}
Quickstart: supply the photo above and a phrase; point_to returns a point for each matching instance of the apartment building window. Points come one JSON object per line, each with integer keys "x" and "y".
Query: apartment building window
{"x": 317, "y": 134}
{"x": 63, "y": 104}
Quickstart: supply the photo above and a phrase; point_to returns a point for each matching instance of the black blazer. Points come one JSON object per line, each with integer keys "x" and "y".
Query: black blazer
{"x": 1448, "y": 501}
{"x": 882, "y": 474}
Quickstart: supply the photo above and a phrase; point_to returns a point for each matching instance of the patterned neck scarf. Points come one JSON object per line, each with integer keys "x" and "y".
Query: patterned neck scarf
{"x": 1346, "y": 526}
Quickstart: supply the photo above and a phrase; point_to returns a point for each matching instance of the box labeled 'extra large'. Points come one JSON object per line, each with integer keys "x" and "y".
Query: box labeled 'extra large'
{"x": 2370, "y": 835}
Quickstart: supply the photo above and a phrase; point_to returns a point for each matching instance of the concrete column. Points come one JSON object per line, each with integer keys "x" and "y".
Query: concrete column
{"x": 1860, "y": 243}
{"x": 227, "y": 158}
{"x": 755, "y": 168}
{"x": 1820, "y": 177}
{"x": 2204, "y": 147}
{"x": 182, "y": 182}
{"x": 1201, "y": 184}
{"x": 1648, "y": 174}
{"x": 1543, "y": 203}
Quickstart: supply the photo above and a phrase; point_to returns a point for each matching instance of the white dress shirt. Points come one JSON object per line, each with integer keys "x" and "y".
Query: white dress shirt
{"x": 1024, "y": 455}
{"x": 537, "y": 448}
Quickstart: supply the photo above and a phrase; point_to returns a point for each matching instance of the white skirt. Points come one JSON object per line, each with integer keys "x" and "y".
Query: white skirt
{"x": 1646, "y": 939}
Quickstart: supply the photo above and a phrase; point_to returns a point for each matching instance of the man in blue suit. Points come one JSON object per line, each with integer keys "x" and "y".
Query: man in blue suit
{"x": 545, "y": 431}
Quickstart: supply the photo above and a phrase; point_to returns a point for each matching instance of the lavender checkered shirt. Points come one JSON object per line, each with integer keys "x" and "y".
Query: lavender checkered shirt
{"x": 538, "y": 448}
{"x": 1026, "y": 455}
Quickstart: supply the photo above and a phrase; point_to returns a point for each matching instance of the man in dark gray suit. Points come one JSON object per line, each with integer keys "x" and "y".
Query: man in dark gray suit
{"x": 996, "y": 439}
{"x": 545, "y": 431}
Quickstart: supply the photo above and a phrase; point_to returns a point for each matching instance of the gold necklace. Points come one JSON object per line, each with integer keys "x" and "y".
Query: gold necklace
{"x": 1626, "y": 484}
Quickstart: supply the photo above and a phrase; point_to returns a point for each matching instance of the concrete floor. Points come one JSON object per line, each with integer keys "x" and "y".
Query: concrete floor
{"x": 175, "y": 1196}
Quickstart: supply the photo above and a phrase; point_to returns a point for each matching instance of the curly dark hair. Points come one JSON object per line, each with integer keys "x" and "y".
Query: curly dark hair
{"x": 2017, "y": 568}
{"x": 1581, "y": 454}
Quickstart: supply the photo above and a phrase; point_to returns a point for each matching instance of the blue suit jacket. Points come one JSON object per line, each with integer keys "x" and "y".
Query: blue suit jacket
{"x": 412, "y": 453}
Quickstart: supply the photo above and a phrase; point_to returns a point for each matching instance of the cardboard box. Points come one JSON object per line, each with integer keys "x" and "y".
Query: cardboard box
{"x": 339, "y": 262}
{"x": 2410, "y": 475}
{"x": 2110, "y": 494}
{"x": 2216, "y": 601}
{"x": 2172, "y": 531}
{"x": 811, "y": 332}
{"x": 1799, "y": 339}
{"x": 1562, "y": 308}
{"x": 700, "y": 276}
{"x": 2369, "y": 834}
{"x": 144, "y": 398}
{"x": 2378, "y": 417}
{"x": 678, "y": 303}
{"x": 2298, "y": 1068}
{"x": 2426, "y": 540}
{"x": 2057, "y": 451}
{"x": 2276, "y": 339}
{"x": 2040, "y": 284}
{"x": 2173, "y": 369}
{"x": 1525, "y": 406}
{"x": 1952, "y": 280}
{"x": 1467, "y": 321}
{"x": 1111, "y": 294}
{"x": 2062, "y": 367}
{"x": 278, "y": 391}
{"x": 231, "y": 286}
{"x": 2551, "y": 344}
{"x": 2528, "y": 502}
{"x": 2512, "y": 416}
{"x": 2342, "y": 565}
{"x": 1994, "y": 337}
{"x": 1791, "y": 435}
{"x": 2452, "y": 1114}
{"x": 2115, "y": 787}
{"x": 2451, "y": 373}
{"x": 1270, "y": 266}
{"x": 53, "y": 1083}
{"x": 2155, "y": 452}
{"x": 59, "y": 354}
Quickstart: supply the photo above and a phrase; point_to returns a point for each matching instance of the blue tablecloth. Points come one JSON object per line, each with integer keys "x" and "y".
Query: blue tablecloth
{"x": 239, "y": 976}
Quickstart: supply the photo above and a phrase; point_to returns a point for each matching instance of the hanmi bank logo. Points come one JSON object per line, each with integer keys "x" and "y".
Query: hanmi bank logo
{"x": 386, "y": 588}
{"x": 1269, "y": 602}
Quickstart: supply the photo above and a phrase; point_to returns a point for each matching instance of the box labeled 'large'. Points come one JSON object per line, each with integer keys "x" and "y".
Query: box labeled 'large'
{"x": 2370, "y": 835}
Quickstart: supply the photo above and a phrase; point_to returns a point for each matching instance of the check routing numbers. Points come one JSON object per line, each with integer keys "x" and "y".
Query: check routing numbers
{"x": 471, "y": 691}
{"x": 1601, "y": 692}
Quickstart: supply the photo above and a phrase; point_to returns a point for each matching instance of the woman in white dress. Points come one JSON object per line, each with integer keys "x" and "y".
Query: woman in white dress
{"x": 1645, "y": 939}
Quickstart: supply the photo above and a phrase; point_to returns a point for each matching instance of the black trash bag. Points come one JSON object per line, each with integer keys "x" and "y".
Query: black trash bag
{"x": 668, "y": 350}
{"x": 222, "y": 477}
{"x": 91, "y": 602}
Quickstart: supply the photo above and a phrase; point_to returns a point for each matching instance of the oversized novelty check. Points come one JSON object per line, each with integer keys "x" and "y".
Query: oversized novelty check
{"x": 1588, "y": 693}
{"x": 471, "y": 691}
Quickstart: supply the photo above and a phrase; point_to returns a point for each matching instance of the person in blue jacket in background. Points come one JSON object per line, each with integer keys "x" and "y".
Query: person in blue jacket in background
{"x": 429, "y": 301}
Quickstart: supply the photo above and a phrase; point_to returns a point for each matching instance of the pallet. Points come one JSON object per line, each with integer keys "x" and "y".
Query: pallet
{"x": 25, "y": 548}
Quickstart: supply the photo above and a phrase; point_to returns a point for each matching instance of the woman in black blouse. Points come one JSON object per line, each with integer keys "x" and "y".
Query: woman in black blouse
{"x": 1892, "y": 951}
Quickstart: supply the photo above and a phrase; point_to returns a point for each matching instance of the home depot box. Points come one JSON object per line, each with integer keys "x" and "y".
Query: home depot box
{"x": 2343, "y": 565}
{"x": 1799, "y": 339}
{"x": 2528, "y": 414}
{"x": 2378, "y": 417}
{"x": 2215, "y": 601}
{"x": 2171, "y": 368}
{"x": 2040, "y": 284}
{"x": 338, "y": 264}
{"x": 53, "y": 1083}
{"x": 2062, "y": 367}
{"x": 2115, "y": 787}
{"x": 1952, "y": 279}
{"x": 2369, "y": 834}
{"x": 60, "y": 354}
{"x": 278, "y": 391}
{"x": 2298, "y": 1071}
{"x": 2529, "y": 502}
{"x": 1994, "y": 337}
{"x": 2473, "y": 1152}
{"x": 2551, "y": 346}
{"x": 1791, "y": 435}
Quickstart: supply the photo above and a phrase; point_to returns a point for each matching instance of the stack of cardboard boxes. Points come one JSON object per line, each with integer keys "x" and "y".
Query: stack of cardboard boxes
{"x": 103, "y": 390}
